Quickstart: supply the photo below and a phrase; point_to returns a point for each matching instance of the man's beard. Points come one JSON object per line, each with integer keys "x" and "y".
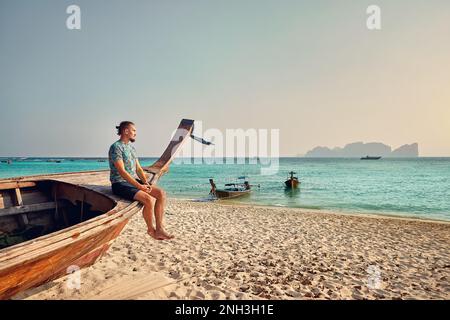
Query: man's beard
{"x": 132, "y": 140}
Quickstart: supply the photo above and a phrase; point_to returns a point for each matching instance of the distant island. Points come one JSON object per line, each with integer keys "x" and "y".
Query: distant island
{"x": 361, "y": 149}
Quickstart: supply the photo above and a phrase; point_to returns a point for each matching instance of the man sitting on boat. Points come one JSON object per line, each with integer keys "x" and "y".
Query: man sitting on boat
{"x": 129, "y": 181}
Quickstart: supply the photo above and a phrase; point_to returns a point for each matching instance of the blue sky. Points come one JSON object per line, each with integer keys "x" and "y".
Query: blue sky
{"x": 309, "y": 68}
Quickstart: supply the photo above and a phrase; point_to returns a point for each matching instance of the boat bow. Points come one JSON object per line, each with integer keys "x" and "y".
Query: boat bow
{"x": 161, "y": 166}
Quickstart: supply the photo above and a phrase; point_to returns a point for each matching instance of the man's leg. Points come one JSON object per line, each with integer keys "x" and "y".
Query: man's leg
{"x": 160, "y": 197}
{"x": 147, "y": 212}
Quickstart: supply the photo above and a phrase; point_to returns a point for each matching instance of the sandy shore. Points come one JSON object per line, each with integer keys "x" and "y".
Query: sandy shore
{"x": 246, "y": 252}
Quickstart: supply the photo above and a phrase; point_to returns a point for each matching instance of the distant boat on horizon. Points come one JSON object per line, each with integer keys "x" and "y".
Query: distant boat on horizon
{"x": 371, "y": 158}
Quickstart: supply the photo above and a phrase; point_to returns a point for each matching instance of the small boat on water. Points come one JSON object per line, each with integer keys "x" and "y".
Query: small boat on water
{"x": 51, "y": 223}
{"x": 54, "y": 160}
{"x": 292, "y": 181}
{"x": 231, "y": 190}
{"x": 370, "y": 158}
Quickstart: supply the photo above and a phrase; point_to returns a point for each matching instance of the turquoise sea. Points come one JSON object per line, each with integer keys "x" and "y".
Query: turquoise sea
{"x": 418, "y": 187}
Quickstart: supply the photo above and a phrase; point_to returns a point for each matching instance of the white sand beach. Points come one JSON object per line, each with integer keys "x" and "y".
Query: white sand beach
{"x": 231, "y": 251}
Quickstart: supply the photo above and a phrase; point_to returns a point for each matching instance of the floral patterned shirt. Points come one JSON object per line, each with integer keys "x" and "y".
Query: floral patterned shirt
{"x": 125, "y": 152}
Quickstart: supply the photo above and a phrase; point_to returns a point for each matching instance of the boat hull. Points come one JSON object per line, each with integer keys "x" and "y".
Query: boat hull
{"x": 291, "y": 183}
{"x": 225, "y": 194}
{"x": 36, "y": 261}
{"x": 57, "y": 262}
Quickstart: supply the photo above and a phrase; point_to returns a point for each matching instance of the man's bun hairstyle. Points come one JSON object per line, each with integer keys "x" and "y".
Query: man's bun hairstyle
{"x": 122, "y": 126}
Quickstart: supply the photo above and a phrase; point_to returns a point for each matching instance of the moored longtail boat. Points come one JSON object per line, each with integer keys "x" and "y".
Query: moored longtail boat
{"x": 231, "y": 190}
{"x": 52, "y": 224}
{"x": 292, "y": 181}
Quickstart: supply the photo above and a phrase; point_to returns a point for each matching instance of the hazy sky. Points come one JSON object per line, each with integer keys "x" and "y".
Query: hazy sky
{"x": 310, "y": 68}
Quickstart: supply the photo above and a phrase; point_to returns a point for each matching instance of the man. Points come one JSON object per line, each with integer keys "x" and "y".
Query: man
{"x": 125, "y": 170}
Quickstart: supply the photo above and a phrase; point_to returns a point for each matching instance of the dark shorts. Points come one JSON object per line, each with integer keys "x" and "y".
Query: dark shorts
{"x": 125, "y": 190}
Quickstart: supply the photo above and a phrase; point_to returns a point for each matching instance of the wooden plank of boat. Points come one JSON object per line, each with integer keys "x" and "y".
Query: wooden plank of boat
{"x": 69, "y": 233}
{"x": 52, "y": 262}
{"x": 16, "y": 184}
{"x": 37, "y": 261}
{"x": 28, "y": 208}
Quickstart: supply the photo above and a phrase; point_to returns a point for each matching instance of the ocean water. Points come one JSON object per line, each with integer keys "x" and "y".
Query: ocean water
{"x": 418, "y": 187}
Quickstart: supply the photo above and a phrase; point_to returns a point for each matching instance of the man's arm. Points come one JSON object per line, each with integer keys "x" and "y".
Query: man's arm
{"x": 124, "y": 174}
{"x": 140, "y": 172}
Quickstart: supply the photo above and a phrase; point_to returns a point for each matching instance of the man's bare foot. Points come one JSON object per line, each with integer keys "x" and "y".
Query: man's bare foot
{"x": 154, "y": 235}
{"x": 162, "y": 233}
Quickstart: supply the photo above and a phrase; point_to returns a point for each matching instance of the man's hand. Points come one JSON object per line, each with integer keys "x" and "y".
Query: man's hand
{"x": 145, "y": 187}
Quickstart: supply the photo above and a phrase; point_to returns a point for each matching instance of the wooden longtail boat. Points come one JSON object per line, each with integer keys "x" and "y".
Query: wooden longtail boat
{"x": 292, "y": 181}
{"x": 231, "y": 190}
{"x": 50, "y": 224}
